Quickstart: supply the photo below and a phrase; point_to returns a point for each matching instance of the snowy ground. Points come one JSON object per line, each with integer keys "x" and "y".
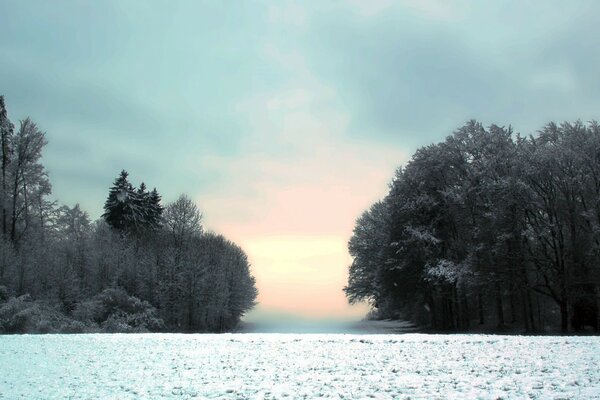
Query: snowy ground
{"x": 239, "y": 366}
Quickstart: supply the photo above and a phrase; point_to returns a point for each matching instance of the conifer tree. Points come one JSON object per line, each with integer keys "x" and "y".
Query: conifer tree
{"x": 147, "y": 209}
{"x": 128, "y": 209}
{"x": 118, "y": 208}
{"x": 141, "y": 207}
{"x": 155, "y": 209}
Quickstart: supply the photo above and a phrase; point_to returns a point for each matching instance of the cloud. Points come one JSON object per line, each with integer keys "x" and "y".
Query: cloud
{"x": 559, "y": 79}
{"x": 370, "y": 8}
{"x": 434, "y": 9}
{"x": 411, "y": 80}
{"x": 287, "y": 13}
{"x": 292, "y": 194}
{"x": 298, "y": 156}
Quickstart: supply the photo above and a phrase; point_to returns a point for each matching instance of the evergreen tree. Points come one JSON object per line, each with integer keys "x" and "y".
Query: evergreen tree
{"x": 119, "y": 206}
{"x": 148, "y": 209}
{"x": 128, "y": 209}
{"x": 141, "y": 207}
{"x": 155, "y": 209}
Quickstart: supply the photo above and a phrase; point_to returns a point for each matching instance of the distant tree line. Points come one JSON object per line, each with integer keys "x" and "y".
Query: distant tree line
{"x": 487, "y": 230}
{"x": 141, "y": 267}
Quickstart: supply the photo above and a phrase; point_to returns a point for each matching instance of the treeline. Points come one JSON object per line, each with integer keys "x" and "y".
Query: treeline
{"x": 487, "y": 230}
{"x": 141, "y": 267}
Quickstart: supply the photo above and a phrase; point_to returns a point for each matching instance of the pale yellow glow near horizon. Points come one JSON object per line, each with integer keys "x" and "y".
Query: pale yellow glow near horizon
{"x": 292, "y": 210}
{"x": 294, "y": 220}
{"x": 300, "y": 272}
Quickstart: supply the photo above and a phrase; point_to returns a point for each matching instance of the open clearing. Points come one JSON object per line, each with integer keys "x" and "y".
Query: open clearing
{"x": 239, "y": 366}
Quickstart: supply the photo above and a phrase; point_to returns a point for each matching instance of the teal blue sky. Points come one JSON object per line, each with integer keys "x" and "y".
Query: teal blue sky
{"x": 148, "y": 85}
{"x": 282, "y": 118}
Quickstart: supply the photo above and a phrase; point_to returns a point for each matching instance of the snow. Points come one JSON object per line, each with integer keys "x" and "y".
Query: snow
{"x": 122, "y": 195}
{"x": 273, "y": 366}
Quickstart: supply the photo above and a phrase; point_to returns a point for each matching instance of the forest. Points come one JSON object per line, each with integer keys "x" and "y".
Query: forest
{"x": 141, "y": 267}
{"x": 487, "y": 231}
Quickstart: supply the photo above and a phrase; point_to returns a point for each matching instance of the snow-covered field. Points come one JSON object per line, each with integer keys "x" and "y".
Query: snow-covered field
{"x": 239, "y": 366}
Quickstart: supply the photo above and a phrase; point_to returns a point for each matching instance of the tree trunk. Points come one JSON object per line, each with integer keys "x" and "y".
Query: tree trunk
{"x": 525, "y": 311}
{"x": 4, "y": 145}
{"x": 190, "y": 305}
{"x": 499, "y": 306}
{"x": 564, "y": 317}
{"x": 21, "y": 277}
{"x": 513, "y": 309}
{"x": 480, "y": 308}
{"x": 458, "y": 312}
{"x": 465, "y": 308}
{"x": 541, "y": 314}
{"x": 534, "y": 326}
{"x": 449, "y": 320}
{"x": 13, "y": 228}
{"x": 528, "y": 309}
{"x": 432, "y": 308}
{"x": 597, "y": 299}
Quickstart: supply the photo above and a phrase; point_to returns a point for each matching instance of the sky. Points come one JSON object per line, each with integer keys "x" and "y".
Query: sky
{"x": 283, "y": 120}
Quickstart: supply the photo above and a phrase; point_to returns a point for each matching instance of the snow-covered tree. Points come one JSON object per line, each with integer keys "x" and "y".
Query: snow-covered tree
{"x": 129, "y": 210}
{"x": 134, "y": 269}
{"x": 29, "y": 184}
{"x": 6, "y": 138}
{"x": 119, "y": 208}
{"x": 485, "y": 227}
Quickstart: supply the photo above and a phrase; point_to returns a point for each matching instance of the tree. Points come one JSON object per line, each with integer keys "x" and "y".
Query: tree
{"x": 73, "y": 240}
{"x": 132, "y": 211}
{"x": 182, "y": 219}
{"x": 486, "y": 224}
{"x": 119, "y": 211}
{"x": 561, "y": 173}
{"x": 29, "y": 180}
{"x": 6, "y": 138}
{"x": 368, "y": 246}
{"x": 154, "y": 210}
{"x": 60, "y": 272}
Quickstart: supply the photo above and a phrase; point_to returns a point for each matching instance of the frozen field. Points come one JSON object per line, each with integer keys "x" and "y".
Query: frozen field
{"x": 239, "y": 366}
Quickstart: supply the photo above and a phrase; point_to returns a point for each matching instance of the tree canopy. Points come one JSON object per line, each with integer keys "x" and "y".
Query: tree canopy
{"x": 142, "y": 266}
{"x": 487, "y": 227}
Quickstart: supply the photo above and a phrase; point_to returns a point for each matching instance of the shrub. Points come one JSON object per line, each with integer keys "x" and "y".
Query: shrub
{"x": 4, "y": 295}
{"x": 23, "y": 315}
{"x": 74, "y": 326}
{"x": 116, "y": 311}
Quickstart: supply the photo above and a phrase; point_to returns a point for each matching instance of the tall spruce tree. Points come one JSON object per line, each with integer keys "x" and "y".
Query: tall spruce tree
{"x": 141, "y": 207}
{"x": 128, "y": 209}
{"x": 119, "y": 206}
{"x": 155, "y": 209}
{"x": 148, "y": 209}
